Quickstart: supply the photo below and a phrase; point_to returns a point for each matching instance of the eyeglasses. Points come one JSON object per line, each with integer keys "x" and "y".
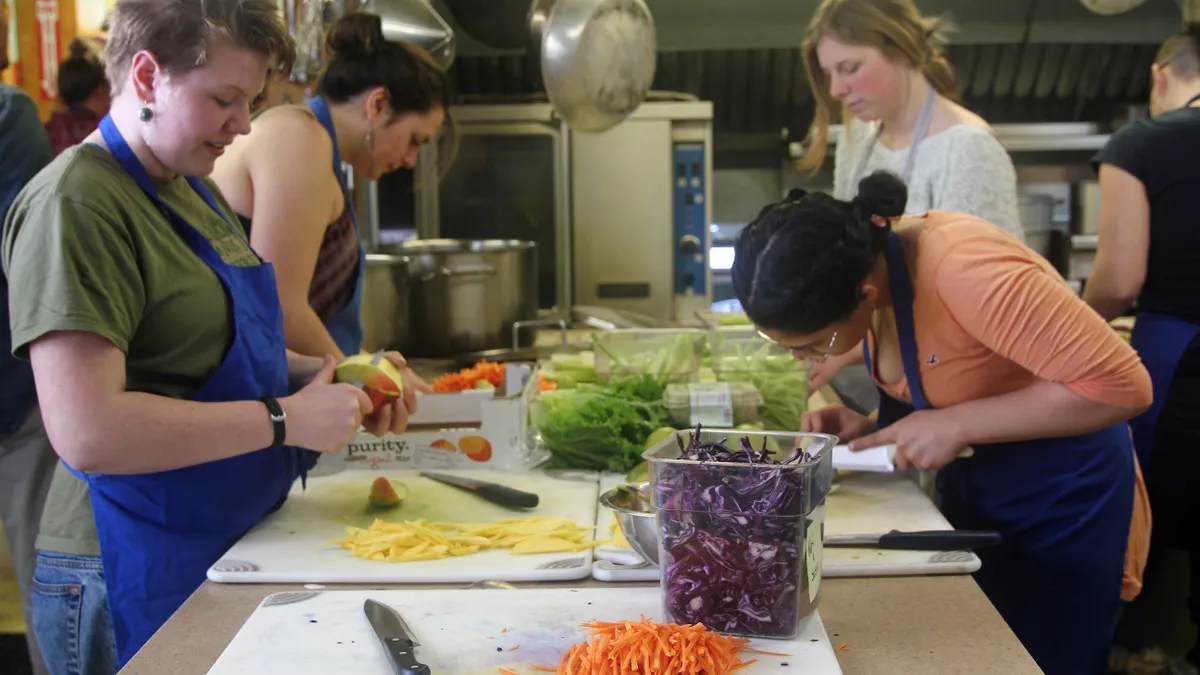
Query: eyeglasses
{"x": 805, "y": 352}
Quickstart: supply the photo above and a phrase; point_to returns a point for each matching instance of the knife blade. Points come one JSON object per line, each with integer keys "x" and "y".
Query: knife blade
{"x": 925, "y": 540}
{"x": 396, "y": 638}
{"x": 377, "y": 358}
{"x": 497, "y": 494}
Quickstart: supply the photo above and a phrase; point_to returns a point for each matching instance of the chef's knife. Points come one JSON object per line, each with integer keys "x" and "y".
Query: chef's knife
{"x": 927, "y": 540}
{"x": 396, "y": 638}
{"x": 498, "y": 494}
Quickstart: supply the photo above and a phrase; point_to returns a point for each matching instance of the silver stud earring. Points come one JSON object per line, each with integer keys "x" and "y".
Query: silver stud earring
{"x": 370, "y": 140}
{"x": 145, "y": 114}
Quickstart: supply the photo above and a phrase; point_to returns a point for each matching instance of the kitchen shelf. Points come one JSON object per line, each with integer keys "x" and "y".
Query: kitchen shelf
{"x": 1050, "y": 137}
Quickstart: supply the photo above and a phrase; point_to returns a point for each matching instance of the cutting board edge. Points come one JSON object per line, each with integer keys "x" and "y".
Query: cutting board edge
{"x": 572, "y": 574}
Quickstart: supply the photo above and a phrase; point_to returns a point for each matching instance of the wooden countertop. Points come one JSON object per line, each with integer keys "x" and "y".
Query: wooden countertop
{"x": 899, "y": 625}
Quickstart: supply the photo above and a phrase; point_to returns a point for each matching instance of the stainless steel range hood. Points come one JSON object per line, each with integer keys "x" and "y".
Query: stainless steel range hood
{"x": 1060, "y": 62}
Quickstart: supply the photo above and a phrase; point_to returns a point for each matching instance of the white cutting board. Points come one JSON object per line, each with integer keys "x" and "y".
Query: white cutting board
{"x": 290, "y": 545}
{"x": 872, "y": 503}
{"x": 861, "y": 503}
{"x": 460, "y": 631}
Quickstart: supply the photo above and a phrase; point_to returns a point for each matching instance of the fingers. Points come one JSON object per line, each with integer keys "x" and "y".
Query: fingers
{"x": 397, "y": 359}
{"x": 378, "y": 423}
{"x": 414, "y": 381}
{"x": 399, "y": 417}
{"x": 409, "y": 401}
{"x": 901, "y": 460}
{"x": 325, "y": 373}
{"x": 810, "y": 422}
{"x": 884, "y": 436}
{"x": 364, "y": 402}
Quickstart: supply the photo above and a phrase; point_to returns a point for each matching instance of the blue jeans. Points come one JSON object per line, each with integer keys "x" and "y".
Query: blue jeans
{"x": 70, "y": 615}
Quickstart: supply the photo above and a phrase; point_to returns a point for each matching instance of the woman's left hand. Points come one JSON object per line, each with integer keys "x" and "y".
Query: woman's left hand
{"x": 925, "y": 439}
{"x": 393, "y": 418}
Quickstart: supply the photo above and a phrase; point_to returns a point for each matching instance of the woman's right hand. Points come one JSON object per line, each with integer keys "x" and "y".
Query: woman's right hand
{"x": 837, "y": 420}
{"x": 324, "y": 416}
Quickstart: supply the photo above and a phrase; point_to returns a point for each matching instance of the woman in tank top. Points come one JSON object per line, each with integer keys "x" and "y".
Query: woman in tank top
{"x": 377, "y": 103}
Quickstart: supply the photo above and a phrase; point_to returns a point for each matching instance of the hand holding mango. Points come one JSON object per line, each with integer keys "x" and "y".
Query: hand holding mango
{"x": 382, "y": 382}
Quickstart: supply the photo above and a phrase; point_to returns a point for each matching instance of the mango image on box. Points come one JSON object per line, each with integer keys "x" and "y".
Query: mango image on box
{"x": 381, "y": 381}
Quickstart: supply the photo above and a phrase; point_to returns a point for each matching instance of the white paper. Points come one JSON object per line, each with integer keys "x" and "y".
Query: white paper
{"x": 879, "y": 458}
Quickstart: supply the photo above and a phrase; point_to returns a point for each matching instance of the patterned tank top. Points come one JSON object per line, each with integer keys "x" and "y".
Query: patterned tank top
{"x": 336, "y": 271}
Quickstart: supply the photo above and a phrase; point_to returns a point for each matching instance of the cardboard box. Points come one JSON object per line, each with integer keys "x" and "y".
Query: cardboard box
{"x": 488, "y": 430}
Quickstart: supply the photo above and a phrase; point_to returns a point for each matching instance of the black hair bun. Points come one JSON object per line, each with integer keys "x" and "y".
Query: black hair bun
{"x": 795, "y": 195}
{"x": 882, "y": 194}
{"x": 355, "y": 36}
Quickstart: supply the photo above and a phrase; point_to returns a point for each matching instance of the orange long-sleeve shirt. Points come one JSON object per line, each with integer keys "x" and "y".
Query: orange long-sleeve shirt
{"x": 991, "y": 317}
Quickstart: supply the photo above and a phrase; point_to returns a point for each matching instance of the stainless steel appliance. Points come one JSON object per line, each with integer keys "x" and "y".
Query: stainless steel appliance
{"x": 451, "y": 296}
{"x": 620, "y": 218}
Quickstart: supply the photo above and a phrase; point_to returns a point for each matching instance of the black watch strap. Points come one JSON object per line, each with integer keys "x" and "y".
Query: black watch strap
{"x": 277, "y": 419}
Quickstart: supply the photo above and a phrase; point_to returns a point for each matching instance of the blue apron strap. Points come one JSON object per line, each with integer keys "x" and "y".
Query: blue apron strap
{"x": 902, "y": 306}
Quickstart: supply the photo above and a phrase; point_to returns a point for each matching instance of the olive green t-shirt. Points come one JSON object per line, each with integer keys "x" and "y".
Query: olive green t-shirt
{"x": 86, "y": 250}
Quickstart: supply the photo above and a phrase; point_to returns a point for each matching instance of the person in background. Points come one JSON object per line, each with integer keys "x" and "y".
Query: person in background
{"x": 156, "y": 337}
{"x": 26, "y": 458}
{"x": 83, "y": 89}
{"x": 1149, "y": 252}
{"x": 975, "y": 341}
{"x": 377, "y": 103}
{"x": 881, "y": 67}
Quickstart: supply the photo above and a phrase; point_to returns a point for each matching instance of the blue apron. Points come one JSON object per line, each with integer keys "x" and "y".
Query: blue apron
{"x": 346, "y": 325}
{"x": 1161, "y": 341}
{"x": 1062, "y": 505}
{"x": 159, "y": 533}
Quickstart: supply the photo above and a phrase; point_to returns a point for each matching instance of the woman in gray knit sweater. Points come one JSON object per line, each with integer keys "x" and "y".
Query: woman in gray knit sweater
{"x": 881, "y": 64}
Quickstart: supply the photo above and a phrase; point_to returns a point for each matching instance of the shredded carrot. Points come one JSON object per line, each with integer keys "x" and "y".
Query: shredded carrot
{"x": 513, "y": 649}
{"x": 506, "y": 671}
{"x": 624, "y": 648}
{"x": 467, "y": 379}
{"x": 545, "y": 669}
{"x": 841, "y": 648}
{"x": 503, "y": 630}
{"x": 759, "y": 651}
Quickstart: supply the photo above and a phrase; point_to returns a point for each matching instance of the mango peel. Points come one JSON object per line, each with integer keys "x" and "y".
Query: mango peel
{"x": 382, "y": 381}
{"x": 384, "y": 493}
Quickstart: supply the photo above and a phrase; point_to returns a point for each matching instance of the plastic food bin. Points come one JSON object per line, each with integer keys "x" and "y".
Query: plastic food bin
{"x": 740, "y": 354}
{"x": 740, "y": 544}
{"x": 668, "y": 354}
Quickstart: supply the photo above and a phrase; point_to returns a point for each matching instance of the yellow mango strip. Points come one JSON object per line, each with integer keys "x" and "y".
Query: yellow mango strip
{"x": 422, "y": 540}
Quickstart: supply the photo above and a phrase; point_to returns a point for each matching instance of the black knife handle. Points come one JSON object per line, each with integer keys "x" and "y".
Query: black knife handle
{"x": 939, "y": 540}
{"x": 506, "y": 496}
{"x": 400, "y": 653}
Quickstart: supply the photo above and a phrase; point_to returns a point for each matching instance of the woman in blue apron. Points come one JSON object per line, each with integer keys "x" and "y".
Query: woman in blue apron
{"x": 192, "y": 421}
{"x": 882, "y": 64}
{"x": 975, "y": 341}
{"x": 377, "y": 103}
{"x": 1149, "y": 252}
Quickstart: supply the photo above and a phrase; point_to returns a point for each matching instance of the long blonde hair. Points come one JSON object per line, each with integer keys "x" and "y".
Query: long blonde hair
{"x": 896, "y": 28}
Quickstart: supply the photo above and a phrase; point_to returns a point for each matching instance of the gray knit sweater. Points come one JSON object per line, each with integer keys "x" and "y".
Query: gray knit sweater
{"x": 962, "y": 169}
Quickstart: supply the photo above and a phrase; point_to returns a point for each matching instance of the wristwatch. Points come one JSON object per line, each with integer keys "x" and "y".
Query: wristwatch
{"x": 277, "y": 415}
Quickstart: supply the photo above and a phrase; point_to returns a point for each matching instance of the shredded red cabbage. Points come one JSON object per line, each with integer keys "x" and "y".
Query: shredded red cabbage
{"x": 733, "y": 538}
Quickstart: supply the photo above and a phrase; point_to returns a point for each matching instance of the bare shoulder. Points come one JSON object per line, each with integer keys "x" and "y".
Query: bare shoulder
{"x": 291, "y": 131}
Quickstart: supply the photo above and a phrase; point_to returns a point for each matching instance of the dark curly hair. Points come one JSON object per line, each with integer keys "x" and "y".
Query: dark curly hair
{"x": 800, "y": 265}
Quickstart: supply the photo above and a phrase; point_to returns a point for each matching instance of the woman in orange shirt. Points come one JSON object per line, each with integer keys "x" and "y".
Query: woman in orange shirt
{"x": 974, "y": 341}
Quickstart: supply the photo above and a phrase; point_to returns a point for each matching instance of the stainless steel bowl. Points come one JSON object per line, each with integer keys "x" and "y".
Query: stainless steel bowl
{"x": 635, "y": 517}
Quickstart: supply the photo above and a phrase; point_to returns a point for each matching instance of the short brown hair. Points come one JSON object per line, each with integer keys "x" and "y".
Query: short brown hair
{"x": 180, "y": 32}
{"x": 896, "y": 28}
{"x": 1181, "y": 53}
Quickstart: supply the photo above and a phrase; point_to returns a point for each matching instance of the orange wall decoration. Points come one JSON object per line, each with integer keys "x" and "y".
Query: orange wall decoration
{"x": 44, "y": 30}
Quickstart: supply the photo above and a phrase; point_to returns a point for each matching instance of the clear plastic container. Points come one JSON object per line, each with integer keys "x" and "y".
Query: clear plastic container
{"x": 683, "y": 399}
{"x": 740, "y": 544}
{"x": 668, "y": 354}
{"x": 740, "y": 354}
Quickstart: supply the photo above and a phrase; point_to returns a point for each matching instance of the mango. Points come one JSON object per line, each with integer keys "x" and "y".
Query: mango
{"x": 382, "y": 382}
{"x": 384, "y": 494}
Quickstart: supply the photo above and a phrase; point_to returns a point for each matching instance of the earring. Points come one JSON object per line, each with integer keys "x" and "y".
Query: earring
{"x": 145, "y": 114}
{"x": 370, "y": 140}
